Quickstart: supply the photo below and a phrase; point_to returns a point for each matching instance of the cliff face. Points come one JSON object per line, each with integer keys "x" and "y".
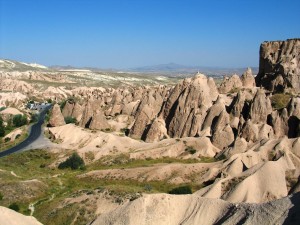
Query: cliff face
{"x": 279, "y": 65}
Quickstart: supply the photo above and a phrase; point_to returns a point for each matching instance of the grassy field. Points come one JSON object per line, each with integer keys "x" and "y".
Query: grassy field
{"x": 33, "y": 177}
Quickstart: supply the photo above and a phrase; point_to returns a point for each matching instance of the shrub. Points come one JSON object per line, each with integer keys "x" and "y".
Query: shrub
{"x": 190, "y": 150}
{"x": 74, "y": 162}
{"x": 70, "y": 119}
{"x": 1, "y": 196}
{"x": 34, "y": 118}
{"x": 19, "y": 120}
{"x": 14, "y": 206}
{"x": 7, "y": 139}
{"x": 181, "y": 190}
{"x": 280, "y": 101}
{"x": 148, "y": 187}
{"x": 18, "y": 136}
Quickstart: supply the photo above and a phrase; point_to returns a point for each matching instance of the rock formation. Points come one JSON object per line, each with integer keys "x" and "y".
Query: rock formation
{"x": 11, "y": 217}
{"x": 230, "y": 84}
{"x": 99, "y": 121}
{"x": 248, "y": 79}
{"x": 192, "y": 209}
{"x": 56, "y": 117}
{"x": 279, "y": 65}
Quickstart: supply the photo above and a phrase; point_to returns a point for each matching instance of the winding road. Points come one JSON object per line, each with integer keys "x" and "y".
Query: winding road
{"x": 35, "y": 133}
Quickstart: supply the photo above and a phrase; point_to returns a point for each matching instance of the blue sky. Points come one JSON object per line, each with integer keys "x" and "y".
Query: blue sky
{"x": 132, "y": 33}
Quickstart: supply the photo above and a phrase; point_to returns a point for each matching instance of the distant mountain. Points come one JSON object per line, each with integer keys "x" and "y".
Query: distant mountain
{"x": 178, "y": 70}
{"x": 12, "y": 65}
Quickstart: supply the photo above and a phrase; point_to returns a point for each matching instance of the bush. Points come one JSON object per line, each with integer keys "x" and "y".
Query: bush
{"x": 70, "y": 119}
{"x": 181, "y": 190}
{"x": 1, "y": 196}
{"x": 7, "y": 139}
{"x": 74, "y": 162}
{"x": 14, "y": 206}
{"x": 34, "y": 118}
{"x": 18, "y": 136}
{"x": 190, "y": 150}
{"x": 19, "y": 120}
{"x": 280, "y": 101}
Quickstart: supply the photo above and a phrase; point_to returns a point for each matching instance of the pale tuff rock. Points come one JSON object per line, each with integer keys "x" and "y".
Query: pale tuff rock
{"x": 237, "y": 105}
{"x": 260, "y": 107}
{"x": 16, "y": 86}
{"x": 255, "y": 132}
{"x": 157, "y": 131}
{"x": 213, "y": 113}
{"x": 294, "y": 107}
{"x": 56, "y": 117}
{"x": 99, "y": 121}
{"x": 230, "y": 83}
{"x": 200, "y": 91}
{"x": 147, "y": 110}
{"x": 68, "y": 109}
{"x": 11, "y": 217}
{"x": 222, "y": 132}
{"x": 248, "y": 79}
{"x": 190, "y": 209}
{"x": 279, "y": 122}
{"x": 77, "y": 111}
{"x": 279, "y": 65}
{"x": 87, "y": 114}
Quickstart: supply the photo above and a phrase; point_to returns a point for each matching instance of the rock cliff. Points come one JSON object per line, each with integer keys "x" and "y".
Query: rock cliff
{"x": 279, "y": 65}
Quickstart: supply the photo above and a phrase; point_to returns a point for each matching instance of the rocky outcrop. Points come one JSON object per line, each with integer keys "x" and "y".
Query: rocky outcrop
{"x": 68, "y": 109}
{"x": 99, "y": 121}
{"x": 230, "y": 84}
{"x": 260, "y": 107}
{"x": 186, "y": 103}
{"x": 87, "y": 114}
{"x": 147, "y": 110}
{"x": 248, "y": 79}
{"x": 11, "y": 217}
{"x": 56, "y": 117}
{"x": 279, "y": 65}
{"x": 191, "y": 209}
{"x": 157, "y": 131}
{"x": 223, "y": 135}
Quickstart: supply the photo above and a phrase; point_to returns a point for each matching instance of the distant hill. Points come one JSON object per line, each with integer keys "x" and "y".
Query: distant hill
{"x": 178, "y": 70}
{"x": 12, "y": 65}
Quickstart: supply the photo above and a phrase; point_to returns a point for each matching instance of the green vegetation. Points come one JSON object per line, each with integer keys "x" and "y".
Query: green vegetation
{"x": 70, "y": 119}
{"x": 2, "y": 128}
{"x": 55, "y": 185}
{"x": 181, "y": 190}
{"x": 14, "y": 206}
{"x": 1, "y": 196}
{"x": 190, "y": 150}
{"x": 19, "y": 120}
{"x": 74, "y": 162}
{"x": 280, "y": 101}
{"x": 123, "y": 161}
{"x": 34, "y": 118}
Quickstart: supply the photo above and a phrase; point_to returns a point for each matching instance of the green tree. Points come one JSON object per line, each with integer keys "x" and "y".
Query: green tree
{"x": 74, "y": 162}
{"x": 19, "y": 120}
